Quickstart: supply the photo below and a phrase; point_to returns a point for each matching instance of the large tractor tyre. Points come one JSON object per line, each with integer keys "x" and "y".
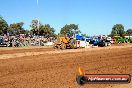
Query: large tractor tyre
{"x": 63, "y": 46}
{"x": 81, "y": 80}
{"x": 58, "y": 46}
{"x": 55, "y": 46}
{"x": 71, "y": 43}
{"x": 71, "y": 46}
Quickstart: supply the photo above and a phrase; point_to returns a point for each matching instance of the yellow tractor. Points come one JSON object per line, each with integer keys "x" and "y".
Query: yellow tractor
{"x": 64, "y": 43}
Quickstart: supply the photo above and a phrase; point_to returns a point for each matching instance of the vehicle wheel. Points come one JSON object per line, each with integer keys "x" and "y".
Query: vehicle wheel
{"x": 71, "y": 43}
{"x": 63, "y": 46}
{"x": 58, "y": 46}
{"x": 54, "y": 46}
{"x": 71, "y": 46}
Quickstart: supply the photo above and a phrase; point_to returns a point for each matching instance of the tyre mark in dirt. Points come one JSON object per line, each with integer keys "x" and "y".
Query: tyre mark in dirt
{"x": 11, "y": 82}
{"x": 7, "y": 56}
{"x": 46, "y": 70}
{"x": 24, "y": 50}
{"x": 114, "y": 58}
{"x": 57, "y": 65}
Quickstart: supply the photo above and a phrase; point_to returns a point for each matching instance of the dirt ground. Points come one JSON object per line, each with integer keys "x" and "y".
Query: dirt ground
{"x": 48, "y": 68}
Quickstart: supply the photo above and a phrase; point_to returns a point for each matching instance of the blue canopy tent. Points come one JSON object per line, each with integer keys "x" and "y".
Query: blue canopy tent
{"x": 79, "y": 37}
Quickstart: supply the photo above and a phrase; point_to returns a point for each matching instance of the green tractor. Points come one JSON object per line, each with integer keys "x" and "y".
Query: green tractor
{"x": 120, "y": 40}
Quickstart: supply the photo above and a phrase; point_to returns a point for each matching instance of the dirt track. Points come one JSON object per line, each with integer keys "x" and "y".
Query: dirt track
{"x": 48, "y": 68}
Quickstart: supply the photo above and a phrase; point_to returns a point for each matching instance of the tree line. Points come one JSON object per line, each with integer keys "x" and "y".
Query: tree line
{"x": 37, "y": 28}
{"x": 119, "y": 30}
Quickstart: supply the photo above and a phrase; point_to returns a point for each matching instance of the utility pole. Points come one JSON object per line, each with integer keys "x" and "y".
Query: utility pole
{"x": 38, "y": 17}
{"x": 37, "y": 2}
{"x": 38, "y": 23}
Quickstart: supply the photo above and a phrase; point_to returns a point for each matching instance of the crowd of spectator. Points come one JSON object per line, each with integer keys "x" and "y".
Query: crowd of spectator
{"x": 23, "y": 40}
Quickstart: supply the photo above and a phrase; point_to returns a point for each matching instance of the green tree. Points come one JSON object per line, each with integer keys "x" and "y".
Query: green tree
{"x": 3, "y": 26}
{"x": 70, "y": 29}
{"x": 47, "y": 30}
{"x": 35, "y": 26}
{"x": 16, "y": 28}
{"x": 44, "y": 30}
{"x": 117, "y": 29}
{"x": 129, "y": 32}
